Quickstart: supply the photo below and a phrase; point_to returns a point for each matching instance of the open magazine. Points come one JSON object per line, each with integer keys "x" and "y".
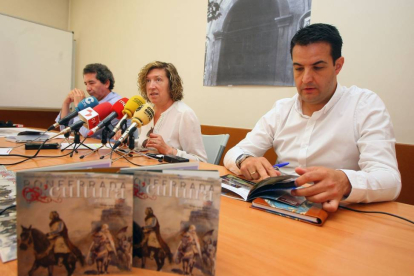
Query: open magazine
{"x": 274, "y": 188}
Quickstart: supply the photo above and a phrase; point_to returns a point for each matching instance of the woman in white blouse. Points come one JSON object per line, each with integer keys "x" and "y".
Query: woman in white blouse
{"x": 175, "y": 129}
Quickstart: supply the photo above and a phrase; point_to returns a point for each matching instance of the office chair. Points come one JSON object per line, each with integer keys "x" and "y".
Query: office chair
{"x": 215, "y": 145}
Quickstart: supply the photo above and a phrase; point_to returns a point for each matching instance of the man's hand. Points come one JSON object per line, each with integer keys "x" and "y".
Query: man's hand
{"x": 74, "y": 96}
{"x": 330, "y": 186}
{"x": 156, "y": 141}
{"x": 257, "y": 168}
{"x": 77, "y": 96}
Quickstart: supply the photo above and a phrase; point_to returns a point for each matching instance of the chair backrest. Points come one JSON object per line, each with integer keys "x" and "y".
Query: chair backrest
{"x": 215, "y": 145}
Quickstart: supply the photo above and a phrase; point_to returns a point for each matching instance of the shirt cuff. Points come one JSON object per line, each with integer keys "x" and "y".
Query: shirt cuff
{"x": 356, "y": 193}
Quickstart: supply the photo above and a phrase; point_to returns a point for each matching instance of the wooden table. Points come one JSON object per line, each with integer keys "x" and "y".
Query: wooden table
{"x": 252, "y": 242}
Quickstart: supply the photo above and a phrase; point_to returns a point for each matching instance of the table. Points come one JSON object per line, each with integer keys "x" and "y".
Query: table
{"x": 252, "y": 242}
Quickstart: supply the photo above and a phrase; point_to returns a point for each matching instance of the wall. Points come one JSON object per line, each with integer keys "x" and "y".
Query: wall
{"x": 127, "y": 34}
{"x": 54, "y": 13}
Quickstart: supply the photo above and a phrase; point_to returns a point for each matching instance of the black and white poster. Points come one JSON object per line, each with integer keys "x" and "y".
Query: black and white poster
{"x": 248, "y": 41}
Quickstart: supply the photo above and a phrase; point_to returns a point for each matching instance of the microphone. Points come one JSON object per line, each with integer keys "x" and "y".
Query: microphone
{"x": 92, "y": 116}
{"x": 116, "y": 113}
{"x": 142, "y": 116}
{"x": 75, "y": 125}
{"x": 85, "y": 103}
{"x": 130, "y": 107}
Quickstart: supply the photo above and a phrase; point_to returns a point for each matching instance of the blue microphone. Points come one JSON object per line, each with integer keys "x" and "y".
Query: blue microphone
{"x": 85, "y": 103}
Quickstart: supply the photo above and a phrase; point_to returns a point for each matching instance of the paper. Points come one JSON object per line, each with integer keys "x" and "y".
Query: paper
{"x": 5, "y": 150}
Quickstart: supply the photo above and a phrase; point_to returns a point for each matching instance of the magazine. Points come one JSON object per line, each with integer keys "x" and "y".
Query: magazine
{"x": 74, "y": 223}
{"x": 176, "y": 223}
{"x": 275, "y": 188}
{"x": 307, "y": 211}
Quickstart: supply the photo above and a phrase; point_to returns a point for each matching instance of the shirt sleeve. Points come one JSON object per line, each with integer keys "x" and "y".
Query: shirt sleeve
{"x": 257, "y": 141}
{"x": 379, "y": 178}
{"x": 191, "y": 141}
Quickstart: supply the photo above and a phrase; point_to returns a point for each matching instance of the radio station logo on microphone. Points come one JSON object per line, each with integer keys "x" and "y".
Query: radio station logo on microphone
{"x": 138, "y": 101}
{"x": 88, "y": 113}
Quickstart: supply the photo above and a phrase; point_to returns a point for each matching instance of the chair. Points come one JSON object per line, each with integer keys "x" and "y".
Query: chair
{"x": 215, "y": 145}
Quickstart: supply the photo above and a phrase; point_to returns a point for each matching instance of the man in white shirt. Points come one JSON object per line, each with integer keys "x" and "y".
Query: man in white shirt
{"x": 99, "y": 82}
{"x": 339, "y": 138}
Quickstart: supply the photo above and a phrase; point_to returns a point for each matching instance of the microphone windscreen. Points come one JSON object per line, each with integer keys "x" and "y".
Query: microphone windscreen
{"x": 103, "y": 109}
{"x": 132, "y": 105}
{"x": 119, "y": 106}
{"x": 87, "y": 102}
{"x": 143, "y": 115}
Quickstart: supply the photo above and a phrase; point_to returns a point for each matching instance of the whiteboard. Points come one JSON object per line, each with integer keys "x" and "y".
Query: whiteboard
{"x": 36, "y": 64}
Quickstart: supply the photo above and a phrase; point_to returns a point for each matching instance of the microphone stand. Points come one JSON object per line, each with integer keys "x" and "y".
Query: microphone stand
{"x": 66, "y": 135}
{"x": 76, "y": 142}
{"x": 122, "y": 128}
{"x": 104, "y": 141}
{"x": 131, "y": 145}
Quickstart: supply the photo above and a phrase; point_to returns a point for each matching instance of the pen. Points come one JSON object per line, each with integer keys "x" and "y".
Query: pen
{"x": 277, "y": 166}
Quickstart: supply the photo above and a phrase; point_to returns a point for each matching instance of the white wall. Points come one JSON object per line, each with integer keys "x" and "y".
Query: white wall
{"x": 54, "y": 13}
{"x": 125, "y": 35}
{"x": 378, "y": 48}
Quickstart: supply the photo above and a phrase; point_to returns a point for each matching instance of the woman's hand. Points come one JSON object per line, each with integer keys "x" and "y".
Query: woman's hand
{"x": 156, "y": 141}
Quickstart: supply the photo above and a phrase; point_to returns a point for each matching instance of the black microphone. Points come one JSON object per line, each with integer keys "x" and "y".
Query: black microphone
{"x": 75, "y": 125}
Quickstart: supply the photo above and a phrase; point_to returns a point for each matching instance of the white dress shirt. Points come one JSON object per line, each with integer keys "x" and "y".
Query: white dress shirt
{"x": 180, "y": 128}
{"x": 112, "y": 98}
{"x": 352, "y": 132}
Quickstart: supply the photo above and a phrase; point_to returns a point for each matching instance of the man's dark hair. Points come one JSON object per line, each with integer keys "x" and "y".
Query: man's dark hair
{"x": 102, "y": 73}
{"x": 319, "y": 33}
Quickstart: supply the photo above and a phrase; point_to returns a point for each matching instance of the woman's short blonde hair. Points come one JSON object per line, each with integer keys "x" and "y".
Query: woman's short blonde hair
{"x": 175, "y": 82}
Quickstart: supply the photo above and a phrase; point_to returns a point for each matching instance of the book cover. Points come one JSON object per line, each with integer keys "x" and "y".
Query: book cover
{"x": 275, "y": 188}
{"x": 307, "y": 211}
{"x": 71, "y": 223}
{"x": 176, "y": 223}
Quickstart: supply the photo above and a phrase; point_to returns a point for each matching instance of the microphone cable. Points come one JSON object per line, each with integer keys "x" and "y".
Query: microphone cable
{"x": 376, "y": 212}
{"x": 30, "y": 157}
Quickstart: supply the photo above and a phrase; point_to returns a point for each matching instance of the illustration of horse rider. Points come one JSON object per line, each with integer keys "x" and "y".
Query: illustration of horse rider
{"x": 59, "y": 239}
{"x": 102, "y": 243}
{"x": 152, "y": 234}
{"x": 110, "y": 244}
{"x": 195, "y": 241}
{"x": 188, "y": 250}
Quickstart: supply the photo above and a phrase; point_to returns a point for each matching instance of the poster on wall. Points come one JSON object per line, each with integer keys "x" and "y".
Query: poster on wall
{"x": 248, "y": 42}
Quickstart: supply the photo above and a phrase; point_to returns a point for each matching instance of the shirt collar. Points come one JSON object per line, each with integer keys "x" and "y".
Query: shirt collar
{"x": 169, "y": 109}
{"x": 108, "y": 97}
{"x": 334, "y": 99}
